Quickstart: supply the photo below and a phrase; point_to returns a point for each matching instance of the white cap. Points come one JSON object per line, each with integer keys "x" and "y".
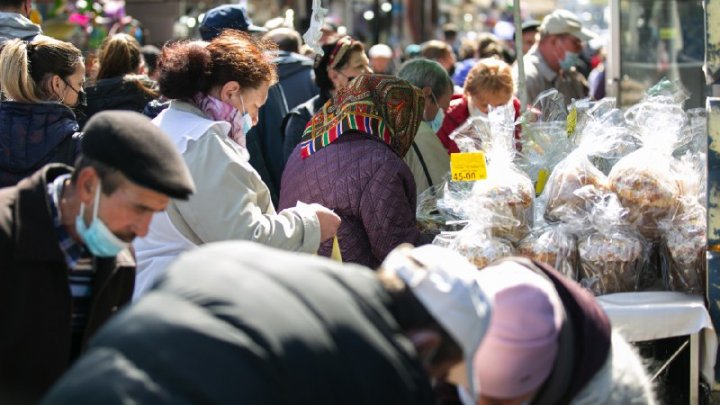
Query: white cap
{"x": 565, "y": 22}
{"x": 504, "y": 30}
{"x": 444, "y": 282}
{"x": 380, "y": 51}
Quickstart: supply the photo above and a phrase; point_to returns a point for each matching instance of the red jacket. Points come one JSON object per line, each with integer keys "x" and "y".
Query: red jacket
{"x": 457, "y": 114}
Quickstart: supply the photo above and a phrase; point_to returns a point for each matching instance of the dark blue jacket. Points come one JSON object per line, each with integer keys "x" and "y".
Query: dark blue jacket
{"x": 297, "y": 78}
{"x": 294, "y": 123}
{"x": 265, "y": 141}
{"x": 32, "y": 135}
{"x": 131, "y": 93}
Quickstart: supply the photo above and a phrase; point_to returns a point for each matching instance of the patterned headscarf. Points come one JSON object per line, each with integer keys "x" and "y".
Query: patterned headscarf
{"x": 378, "y": 105}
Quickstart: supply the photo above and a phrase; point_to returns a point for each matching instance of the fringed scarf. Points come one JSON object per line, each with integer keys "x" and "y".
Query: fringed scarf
{"x": 381, "y": 106}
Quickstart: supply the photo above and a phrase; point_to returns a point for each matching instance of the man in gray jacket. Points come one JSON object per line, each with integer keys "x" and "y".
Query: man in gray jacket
{"x": 550, "y": 63}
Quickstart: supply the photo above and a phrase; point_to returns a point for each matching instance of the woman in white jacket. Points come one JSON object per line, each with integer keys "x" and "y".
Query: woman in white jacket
{"x": 216, "y": 90}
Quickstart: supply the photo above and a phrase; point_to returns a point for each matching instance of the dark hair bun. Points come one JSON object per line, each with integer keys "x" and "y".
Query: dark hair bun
{"x": 184, "y": 69}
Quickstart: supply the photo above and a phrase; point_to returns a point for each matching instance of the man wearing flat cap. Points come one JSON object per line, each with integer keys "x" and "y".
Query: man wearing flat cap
{"x": 551, "y": 62}
{"x": 65, "y": 267}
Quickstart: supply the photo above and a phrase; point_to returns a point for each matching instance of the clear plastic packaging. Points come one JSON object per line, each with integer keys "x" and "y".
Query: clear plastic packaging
{"x": 508, "y": 193}
{"x": 544, "y": 145}
{"x": 554, "y": 245}
{"x": 646, "y": 180}
{"x": 684, "y": 236}
{"x": 549, "y": 106}
{"x": 683, "y": 250}
{"x": 440, "y": 208}
{"x": 611, "y": 254}
{"x": 477, "y": 245}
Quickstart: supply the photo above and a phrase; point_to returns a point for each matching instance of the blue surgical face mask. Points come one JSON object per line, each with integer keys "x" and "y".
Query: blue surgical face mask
{"x": 246, "y": 118}
{"x": 571, "y": 59}
{"x": 437, "y": 121}
{"x": 97, "y": 237}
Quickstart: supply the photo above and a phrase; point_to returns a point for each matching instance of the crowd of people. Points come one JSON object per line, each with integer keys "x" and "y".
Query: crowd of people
{"x": 160, "y": 215}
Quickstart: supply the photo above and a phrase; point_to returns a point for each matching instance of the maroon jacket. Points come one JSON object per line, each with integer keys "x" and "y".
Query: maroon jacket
{"x": 367, "y": 185}
{"x": 457, "y": 114}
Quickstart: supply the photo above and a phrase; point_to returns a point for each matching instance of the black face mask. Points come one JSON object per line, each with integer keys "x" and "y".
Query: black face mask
{"x": 82, "y": 99}
{"x": 81, "y": 96}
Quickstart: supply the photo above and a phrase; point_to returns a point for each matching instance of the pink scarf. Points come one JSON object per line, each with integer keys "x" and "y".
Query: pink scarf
{"x": 221, "y": 111}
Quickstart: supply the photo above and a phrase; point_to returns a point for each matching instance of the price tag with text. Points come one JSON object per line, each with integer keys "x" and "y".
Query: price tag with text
{"x": 468, "y": 166}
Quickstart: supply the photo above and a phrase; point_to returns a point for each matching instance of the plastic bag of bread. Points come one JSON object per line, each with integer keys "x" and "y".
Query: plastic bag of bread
{"x": 554, "y": 245}
{"x": 611, "y": 254}
{"x": 478, "y": 245}
{"x": 684, "y": 237}
{"x": 645, "y": 180}
{"x": 683, "y": 261}
{"x": 575, "y": 172}
{"x": 507, "y": 192}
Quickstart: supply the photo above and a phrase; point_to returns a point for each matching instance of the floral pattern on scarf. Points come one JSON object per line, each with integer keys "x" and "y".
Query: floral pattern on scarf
{"x": 222, "y": 111}
{"x": 378, "y": 105}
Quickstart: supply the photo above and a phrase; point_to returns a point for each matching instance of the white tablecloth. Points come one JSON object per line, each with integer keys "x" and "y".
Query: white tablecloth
{"x": 641, "y": 316}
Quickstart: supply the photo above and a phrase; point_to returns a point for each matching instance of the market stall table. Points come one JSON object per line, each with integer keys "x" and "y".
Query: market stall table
{"x": 643, "y": 316}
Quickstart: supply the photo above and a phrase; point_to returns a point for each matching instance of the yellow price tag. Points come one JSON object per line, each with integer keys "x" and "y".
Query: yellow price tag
{"x": 543, "y": 176}
{"x": 572, "y": 121}
{"x": 667, "y": 33}
{"x": 335, "y": 253}
{"x": 468, "y": 166}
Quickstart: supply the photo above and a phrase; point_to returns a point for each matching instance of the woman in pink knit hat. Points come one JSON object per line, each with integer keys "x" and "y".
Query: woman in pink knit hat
{"x": 549, "y": 342}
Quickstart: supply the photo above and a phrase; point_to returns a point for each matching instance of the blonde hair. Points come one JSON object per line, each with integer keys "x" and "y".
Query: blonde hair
{"x": 489, "y": 76}
{"x": 28, "y": 67}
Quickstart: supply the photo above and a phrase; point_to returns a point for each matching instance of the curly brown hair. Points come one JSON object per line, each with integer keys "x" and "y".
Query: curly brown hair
{"x": 189, "y": 67}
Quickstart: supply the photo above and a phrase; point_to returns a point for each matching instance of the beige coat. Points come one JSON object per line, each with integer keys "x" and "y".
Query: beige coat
{"x": 232, "y": 202}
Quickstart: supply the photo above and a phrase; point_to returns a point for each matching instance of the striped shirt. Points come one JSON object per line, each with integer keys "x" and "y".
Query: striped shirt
{"x": 80, "y": 266}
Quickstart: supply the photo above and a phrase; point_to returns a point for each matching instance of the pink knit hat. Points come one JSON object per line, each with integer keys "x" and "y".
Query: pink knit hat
{"x": 520, "y": 345}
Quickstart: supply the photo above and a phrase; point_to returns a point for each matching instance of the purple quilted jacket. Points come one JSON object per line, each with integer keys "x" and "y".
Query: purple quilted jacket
{"x": 367, "y": 185}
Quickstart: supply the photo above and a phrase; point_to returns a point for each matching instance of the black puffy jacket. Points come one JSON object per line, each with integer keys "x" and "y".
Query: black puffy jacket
{"x": 241, "y": 323}
{"x": 130, "y": 93}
